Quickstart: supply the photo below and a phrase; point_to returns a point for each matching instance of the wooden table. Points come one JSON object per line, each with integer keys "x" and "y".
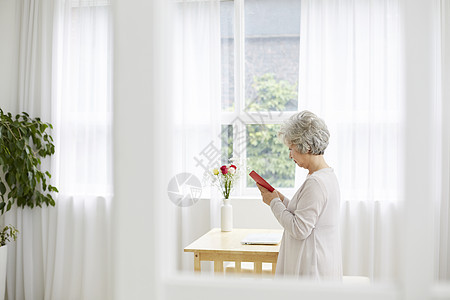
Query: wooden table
{"x": 221, "y": 246}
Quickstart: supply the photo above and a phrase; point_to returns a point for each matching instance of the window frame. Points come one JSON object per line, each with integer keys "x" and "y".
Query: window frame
{"x": 247, "y": 117}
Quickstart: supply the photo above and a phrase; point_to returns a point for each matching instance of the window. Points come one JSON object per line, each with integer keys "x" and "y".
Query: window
{"x": 84, "y": 98}
{"x": 260, "y": 43}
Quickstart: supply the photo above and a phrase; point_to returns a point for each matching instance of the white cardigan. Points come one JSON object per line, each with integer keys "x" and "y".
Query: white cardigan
{"x": 311, "y": 244}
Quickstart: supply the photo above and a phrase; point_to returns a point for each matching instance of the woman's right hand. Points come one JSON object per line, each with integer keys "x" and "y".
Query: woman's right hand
{"x": 281, "y": 195}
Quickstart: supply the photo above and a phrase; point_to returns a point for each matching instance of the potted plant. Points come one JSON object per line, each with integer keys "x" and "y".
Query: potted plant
{"x": 24, "y": 141}
{"x": 8, "y": 234}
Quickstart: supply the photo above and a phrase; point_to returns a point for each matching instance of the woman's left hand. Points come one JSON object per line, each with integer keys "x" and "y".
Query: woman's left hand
{"x": 266, "y": 195}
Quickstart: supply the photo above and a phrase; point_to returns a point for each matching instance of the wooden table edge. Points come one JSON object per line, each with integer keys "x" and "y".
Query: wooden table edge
{"x": 231, "y": 252}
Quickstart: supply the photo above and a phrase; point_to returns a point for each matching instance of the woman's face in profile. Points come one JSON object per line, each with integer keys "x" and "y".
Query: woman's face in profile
{"x": 299, "y": 158}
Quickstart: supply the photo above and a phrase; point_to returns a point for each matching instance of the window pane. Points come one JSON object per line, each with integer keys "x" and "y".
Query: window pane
{"x": 227, "y": 54}
{"x": 272, "y": 45}
{"x": 227, "y": 143}
{"x": 268, "y": 156}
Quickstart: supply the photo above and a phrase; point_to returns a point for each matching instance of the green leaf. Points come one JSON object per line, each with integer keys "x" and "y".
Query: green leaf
{"x": 42, "y": 127}
{"x": 52, "y": 189}
{"x": 2, "y": 188}
{"x": 9, "y": 179}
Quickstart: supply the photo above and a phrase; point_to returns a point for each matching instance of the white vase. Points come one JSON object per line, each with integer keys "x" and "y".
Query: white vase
{"x": 226, "y": 215}
{"x": 3, "y": 263}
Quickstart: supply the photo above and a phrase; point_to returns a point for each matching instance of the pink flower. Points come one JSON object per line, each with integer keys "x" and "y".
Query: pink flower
{"x": 233, "y": 166}
{"x": 224, "y": 170}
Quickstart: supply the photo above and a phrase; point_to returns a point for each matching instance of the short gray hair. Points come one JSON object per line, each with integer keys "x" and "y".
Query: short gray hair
{"x": 307, "y": 132}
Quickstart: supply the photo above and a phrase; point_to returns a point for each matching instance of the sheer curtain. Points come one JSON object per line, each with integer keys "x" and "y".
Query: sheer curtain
{"x": 82, "y": 94}
{"x": 197, "y": 107}
{"x": 28, "y": 255}
{"x": 64, "y": 77}
{"x": 349, "y": 75}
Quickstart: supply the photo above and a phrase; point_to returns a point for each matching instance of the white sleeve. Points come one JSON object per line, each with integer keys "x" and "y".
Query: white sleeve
{"x": 309, "y": 207}
{"x": 285, "y": 202}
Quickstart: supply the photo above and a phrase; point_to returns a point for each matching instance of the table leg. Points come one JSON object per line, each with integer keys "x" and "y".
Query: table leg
{"x": 258, "y": 267}
{"x": 274, "y": 267}
{"x": 237, "y": 266}
{"x": 197, "y": 266}
{"x": 218, "y": 266}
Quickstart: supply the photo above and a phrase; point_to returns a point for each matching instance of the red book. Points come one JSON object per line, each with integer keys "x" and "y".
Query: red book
{"x": 261, "y": 181}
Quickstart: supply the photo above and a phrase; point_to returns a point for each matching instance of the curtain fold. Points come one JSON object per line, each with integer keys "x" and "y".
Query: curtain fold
{"x": 63, "y": 252}
{"x": 350, "y": 76}
{"x": 26, "y": 269}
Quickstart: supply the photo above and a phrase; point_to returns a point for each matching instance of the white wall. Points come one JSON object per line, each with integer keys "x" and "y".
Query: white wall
{"x": 261, "y": 215}
{"x": 8, "y": 55}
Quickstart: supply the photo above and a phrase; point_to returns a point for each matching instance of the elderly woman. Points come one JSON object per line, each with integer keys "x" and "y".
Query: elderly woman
{"x": 311, "y": 246}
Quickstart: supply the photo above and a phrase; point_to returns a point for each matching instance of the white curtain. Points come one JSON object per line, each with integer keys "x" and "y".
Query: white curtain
{"x": 82, "y": 94}
{"x": 197, "y": 106}
{"x": 443, "y": 207}
{"x": 350, "y": 76}
{"x": 64, "y": 77}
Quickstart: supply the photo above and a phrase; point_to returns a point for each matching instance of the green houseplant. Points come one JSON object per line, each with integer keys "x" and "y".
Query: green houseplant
{"x": 24, "y": 141}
